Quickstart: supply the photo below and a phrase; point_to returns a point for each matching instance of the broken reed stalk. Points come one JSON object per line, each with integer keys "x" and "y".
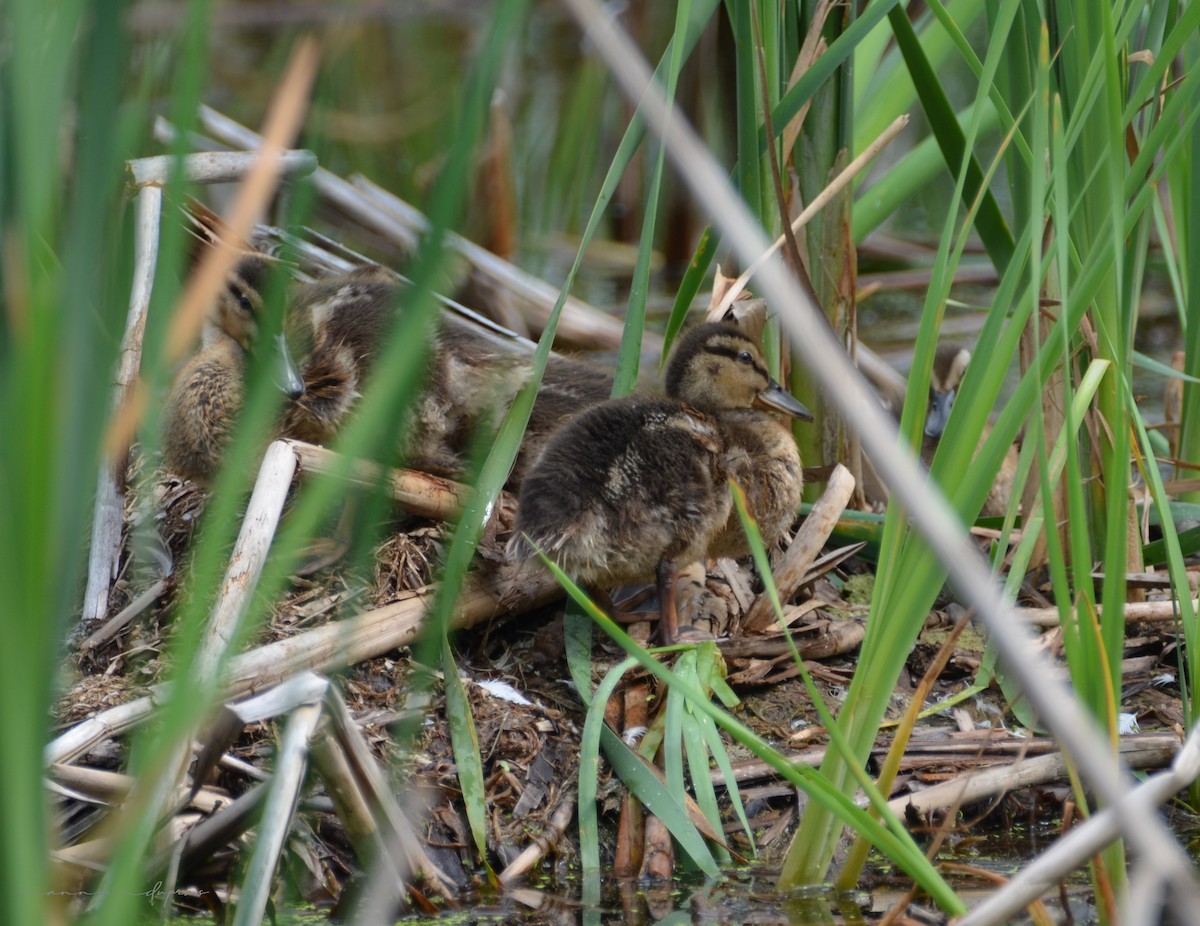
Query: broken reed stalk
{"x": 820, "y": 201}
{"x": 332, "y": 647}
{"x": 1167, "y": 610}
{"x": 1072, "y": 850}
{"x": 246, "y": 564}
{"x": 276, "y": 822}
{"x": 402, "y": 847}
{"x": 116, "y": 624}
{"x": 216, "y": 166}
{"x": 986, "y": 783}
{"x": 534, "y": 853}
{"x": 104, "y": 554}
{"x": 805, "y": 548}
{"x": 421, "y": 494}
{"x": 381, "y": 212}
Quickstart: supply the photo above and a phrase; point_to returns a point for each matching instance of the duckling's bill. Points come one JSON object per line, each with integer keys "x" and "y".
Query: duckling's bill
{"x": 289, "y": 379}
{"x": 776, "y": 398}
{"x": 940, "y": 404}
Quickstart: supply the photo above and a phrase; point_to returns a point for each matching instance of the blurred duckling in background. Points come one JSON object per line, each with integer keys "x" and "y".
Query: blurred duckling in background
{"x": 949, "y": 366}
{"x": 338, "y": 323}
{"x": 636, "y": 488}
{"x": 209, "y": 390}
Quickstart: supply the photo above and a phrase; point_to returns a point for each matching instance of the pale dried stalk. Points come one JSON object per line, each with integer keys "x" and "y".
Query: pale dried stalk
{"x": 535, "y": 852}
{"x": 217, "y": 166}
{"x": 1134, "y": 611}
{"x": 1083, "y": 841}
{"x": 284, "y": 795}
{"x": 398, "y": 836}
{"x": 421, "y": 494}
{"x": 116, "y": 624}
{"x": 820, "y": 201}
{"x": 980, "y": 784}
{"x": 811, "y": 49}
{"x": 806, "y": 547}
{"x": 350, "y": 803}
{"x": 102, "y": 784}
{"x": 246, "y": 564}
{"x": 580, "y": 324}
{"x": 331, "y": 647}
{"x": 104, "y": 555}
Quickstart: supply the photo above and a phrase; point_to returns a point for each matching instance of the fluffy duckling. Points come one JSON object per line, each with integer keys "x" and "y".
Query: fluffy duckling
{"x": 338, "y": 324}
{"x": 949, "y": 366}
{"x": 208, "y": 392}
{"x": 637, "y": 487}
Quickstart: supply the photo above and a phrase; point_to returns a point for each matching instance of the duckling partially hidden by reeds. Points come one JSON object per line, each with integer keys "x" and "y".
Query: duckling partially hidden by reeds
{"x": 209, "y": 390}
{"x": 636, "y": 488}
{"x": 949, "y": 365}
{"x": 338, "y": 324}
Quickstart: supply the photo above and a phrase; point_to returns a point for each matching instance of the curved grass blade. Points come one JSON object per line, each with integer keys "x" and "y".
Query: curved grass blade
{"x": 629, "y": 359}
{"x": 897, "y": 846}
{"x": 465, "y": 743}
{"x": 989, "y": 221}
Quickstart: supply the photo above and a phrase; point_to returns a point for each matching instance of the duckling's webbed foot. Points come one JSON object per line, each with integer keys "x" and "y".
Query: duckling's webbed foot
{"x": 670, "y": 630}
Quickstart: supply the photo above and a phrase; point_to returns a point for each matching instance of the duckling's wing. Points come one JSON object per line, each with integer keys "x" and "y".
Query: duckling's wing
{"x": 623, "y": 485}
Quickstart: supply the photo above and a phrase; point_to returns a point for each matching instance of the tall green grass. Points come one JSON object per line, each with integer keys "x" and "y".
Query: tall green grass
{"x": 64, "y": 278}
{"x": 1096, "y": 150}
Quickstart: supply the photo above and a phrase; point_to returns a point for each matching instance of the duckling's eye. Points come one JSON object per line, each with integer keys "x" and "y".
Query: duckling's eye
{"x": 245, "y": 303}
{"x": 746, "y": 357}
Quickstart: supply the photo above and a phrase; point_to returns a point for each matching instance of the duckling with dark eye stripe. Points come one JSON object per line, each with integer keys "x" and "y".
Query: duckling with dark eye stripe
{"x": 209, "y": 390}
{"x": 638, "y": 487}
{"x": 338, "y": 323}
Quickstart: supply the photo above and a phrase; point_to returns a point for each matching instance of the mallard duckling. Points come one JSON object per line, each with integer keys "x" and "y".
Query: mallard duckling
{"x": 338, "y": 324}
{"x": 208, "y": 392}
{"x": 949, "y": 366}
{"x": 638, "y": 487}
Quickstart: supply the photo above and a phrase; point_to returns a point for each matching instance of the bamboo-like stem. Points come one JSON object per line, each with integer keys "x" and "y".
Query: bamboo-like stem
{"x": 331, "y": 647}
{"x": 217, "y": 166}
{"x": 534, "y": 853}
{"x": 819, "y": 202}
{"x": 246, "y": 564}
{"x": 403, "y": 848}
{"x": 282, "y": 799}
{"x": 116, "y": 624}
{"x": 980, "y": 784}
{"x": 421, "y": 494}
{"x": 104, "y": 554}
{"x": 1134, "y": 611}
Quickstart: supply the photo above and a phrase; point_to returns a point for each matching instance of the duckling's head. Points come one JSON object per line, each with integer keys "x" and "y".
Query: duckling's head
{"x": 715, "y": 368}
{"x": 240, "y": 302}
{"x": 949, "y": 364}
{"x": 237, "y": 312}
